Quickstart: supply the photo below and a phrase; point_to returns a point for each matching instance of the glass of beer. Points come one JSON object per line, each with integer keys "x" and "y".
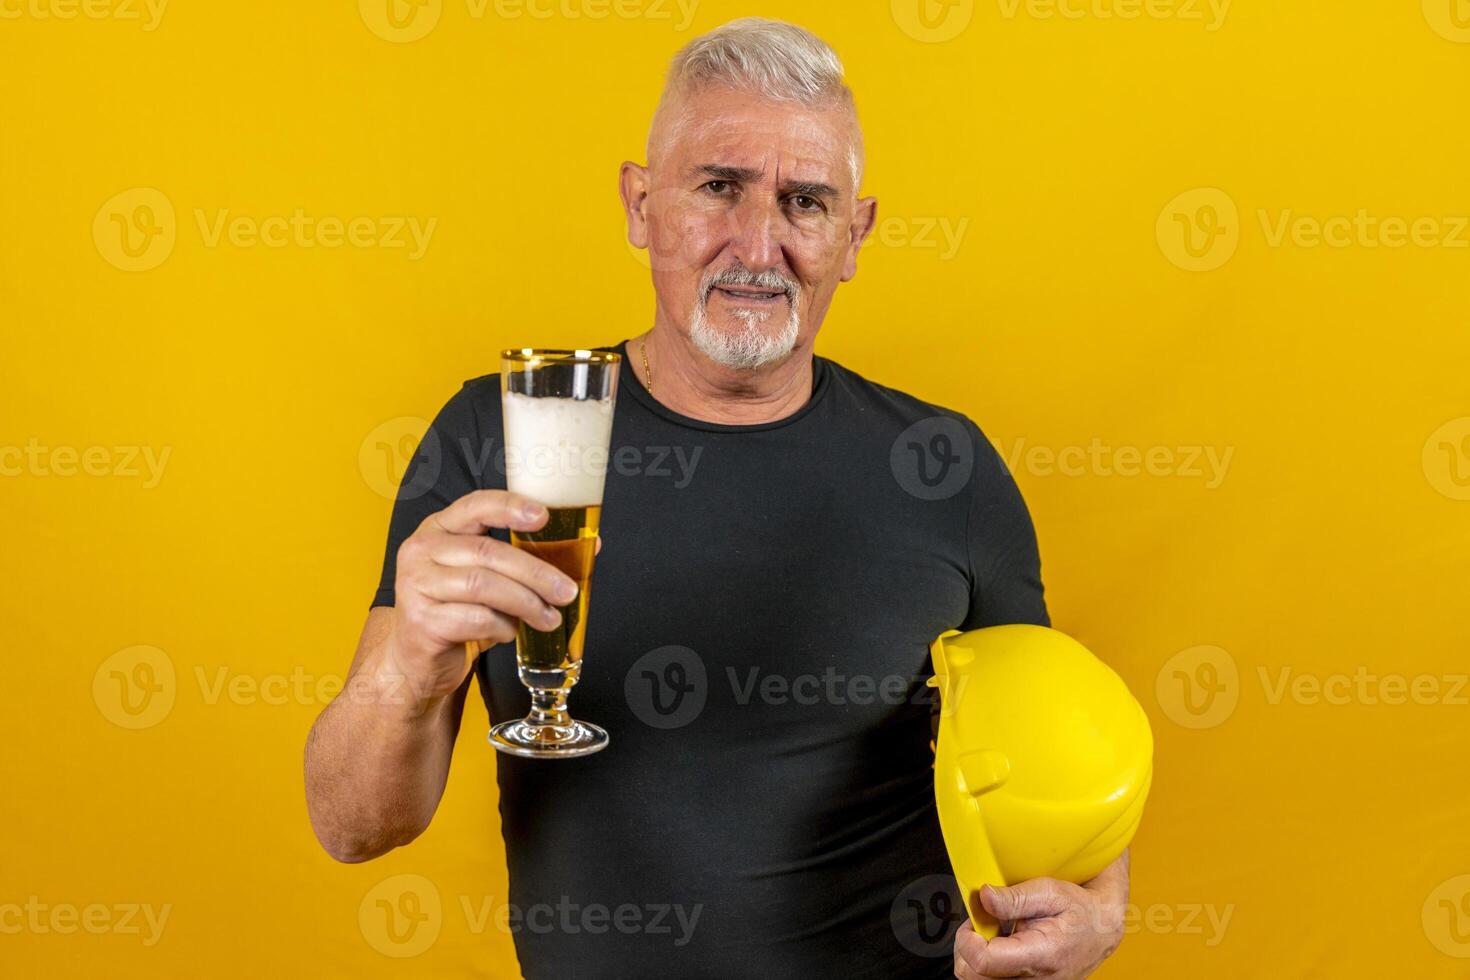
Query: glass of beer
{"x": 558, "y": 407}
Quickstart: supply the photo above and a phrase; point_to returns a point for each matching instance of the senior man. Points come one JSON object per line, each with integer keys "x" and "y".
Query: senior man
{"x": 784, "y": 540}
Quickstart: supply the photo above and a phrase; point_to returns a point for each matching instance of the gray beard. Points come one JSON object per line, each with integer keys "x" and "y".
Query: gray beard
{"x": 748, "y": 347}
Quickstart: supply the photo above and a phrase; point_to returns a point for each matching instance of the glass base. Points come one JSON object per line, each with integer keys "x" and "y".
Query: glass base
{"x": 531, "y": 741}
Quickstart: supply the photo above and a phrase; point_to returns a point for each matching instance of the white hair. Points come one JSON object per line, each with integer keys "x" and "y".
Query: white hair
{"x": 774, "y": 60}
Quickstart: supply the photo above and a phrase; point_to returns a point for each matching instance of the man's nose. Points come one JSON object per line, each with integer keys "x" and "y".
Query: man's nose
{"x": 757, "y": 234}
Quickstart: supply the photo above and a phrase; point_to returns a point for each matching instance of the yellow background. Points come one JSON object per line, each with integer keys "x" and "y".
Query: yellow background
{"x": 1332, "y": 835}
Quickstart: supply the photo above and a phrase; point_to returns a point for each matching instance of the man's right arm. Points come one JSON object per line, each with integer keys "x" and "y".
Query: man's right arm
{"x": 378, "y": 756}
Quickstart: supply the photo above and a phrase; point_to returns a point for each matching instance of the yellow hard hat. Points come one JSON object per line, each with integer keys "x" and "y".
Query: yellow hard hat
{"x": 1042, "y": 762}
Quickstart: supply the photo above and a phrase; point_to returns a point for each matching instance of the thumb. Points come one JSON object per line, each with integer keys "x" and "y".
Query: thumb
{"x": 1032, "y": 899}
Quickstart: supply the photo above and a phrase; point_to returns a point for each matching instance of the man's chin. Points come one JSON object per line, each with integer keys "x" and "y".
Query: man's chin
{"x": 737, "y": 325}
{"x": 743, "y": 342}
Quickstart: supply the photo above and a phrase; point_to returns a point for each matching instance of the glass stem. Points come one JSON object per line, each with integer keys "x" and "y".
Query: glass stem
{"x": 549, "y": 707}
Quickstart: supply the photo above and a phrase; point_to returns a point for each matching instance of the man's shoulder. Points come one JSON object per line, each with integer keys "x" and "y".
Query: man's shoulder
{"x": 886, "y": 404}
{"x": 485, "y": 384}
{"x": 477, "y": 400}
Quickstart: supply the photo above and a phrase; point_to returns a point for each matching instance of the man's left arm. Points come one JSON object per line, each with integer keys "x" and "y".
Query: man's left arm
{"x": 1058, "y": 929}
{"x": 1000, "y": 538}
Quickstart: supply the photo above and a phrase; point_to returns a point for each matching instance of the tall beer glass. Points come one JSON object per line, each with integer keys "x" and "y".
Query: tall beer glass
{"x": 558, "y": 407}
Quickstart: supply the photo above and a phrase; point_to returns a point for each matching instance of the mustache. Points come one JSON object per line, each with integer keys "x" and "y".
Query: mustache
{"x": 741, "y": 276}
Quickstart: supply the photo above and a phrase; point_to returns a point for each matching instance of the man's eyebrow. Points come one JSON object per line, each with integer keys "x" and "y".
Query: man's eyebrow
{"x": 809, "y": 188}
{"x": 745, "y": 175}
{"x": 716, "y": 171}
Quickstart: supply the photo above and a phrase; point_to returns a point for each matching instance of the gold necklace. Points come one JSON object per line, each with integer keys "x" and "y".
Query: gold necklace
{"x": 647, "y": 371}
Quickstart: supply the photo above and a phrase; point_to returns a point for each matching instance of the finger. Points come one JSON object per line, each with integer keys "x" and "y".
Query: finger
{"x": 967, "y": 944}
{"x": 480, "y": 586}
{"x": 1023, "y": 955}
{"x": 477, "y": 512}
{"x": 598, "y": 550}
{"x": 962, "y": 971}
{"x": 1027, "y": 900}
{"x": 479, "y": 550}
{"x": 464, "y": 622}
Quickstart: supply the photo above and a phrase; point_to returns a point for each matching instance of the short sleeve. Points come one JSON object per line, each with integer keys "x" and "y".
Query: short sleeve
{"x": 1005, "y": 562}
{"x": 454, "y": 458}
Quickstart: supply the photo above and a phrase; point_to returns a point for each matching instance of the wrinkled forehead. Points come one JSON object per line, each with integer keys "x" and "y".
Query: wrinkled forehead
{"x": 724, "y": 127}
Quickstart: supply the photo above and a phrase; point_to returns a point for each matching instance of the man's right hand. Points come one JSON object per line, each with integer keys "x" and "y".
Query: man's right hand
{"x": 455, "y": 585}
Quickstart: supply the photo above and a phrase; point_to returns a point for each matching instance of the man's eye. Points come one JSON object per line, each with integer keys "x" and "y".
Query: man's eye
{"x": 805, "y": 202}
{"x": 720, "y": 187}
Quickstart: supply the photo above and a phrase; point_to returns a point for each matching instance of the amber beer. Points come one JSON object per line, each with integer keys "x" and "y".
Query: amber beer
{"x": 568, "y": 541}
{"x": 558, "y": 409}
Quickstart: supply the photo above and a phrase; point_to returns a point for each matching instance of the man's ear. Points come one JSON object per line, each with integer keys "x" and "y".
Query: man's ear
{"x": 864, "y": 218}
{"x": 633, "y": 187}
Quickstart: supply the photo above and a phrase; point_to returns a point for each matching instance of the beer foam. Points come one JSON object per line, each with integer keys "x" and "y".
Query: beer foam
{"x": 556, "y": 448}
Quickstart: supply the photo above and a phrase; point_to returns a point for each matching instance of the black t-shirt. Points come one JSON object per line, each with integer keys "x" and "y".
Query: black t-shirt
{"x": 757, "y": 645}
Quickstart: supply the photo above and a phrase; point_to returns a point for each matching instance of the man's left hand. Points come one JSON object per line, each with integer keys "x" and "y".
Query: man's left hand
{"x": 1062, "y": 930}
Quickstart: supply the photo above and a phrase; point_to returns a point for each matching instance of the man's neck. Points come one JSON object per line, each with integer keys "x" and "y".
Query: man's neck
{"x": 688, "y": 382}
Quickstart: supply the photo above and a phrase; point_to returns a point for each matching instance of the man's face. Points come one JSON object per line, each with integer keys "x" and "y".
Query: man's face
{"x": 749, "y": 212}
